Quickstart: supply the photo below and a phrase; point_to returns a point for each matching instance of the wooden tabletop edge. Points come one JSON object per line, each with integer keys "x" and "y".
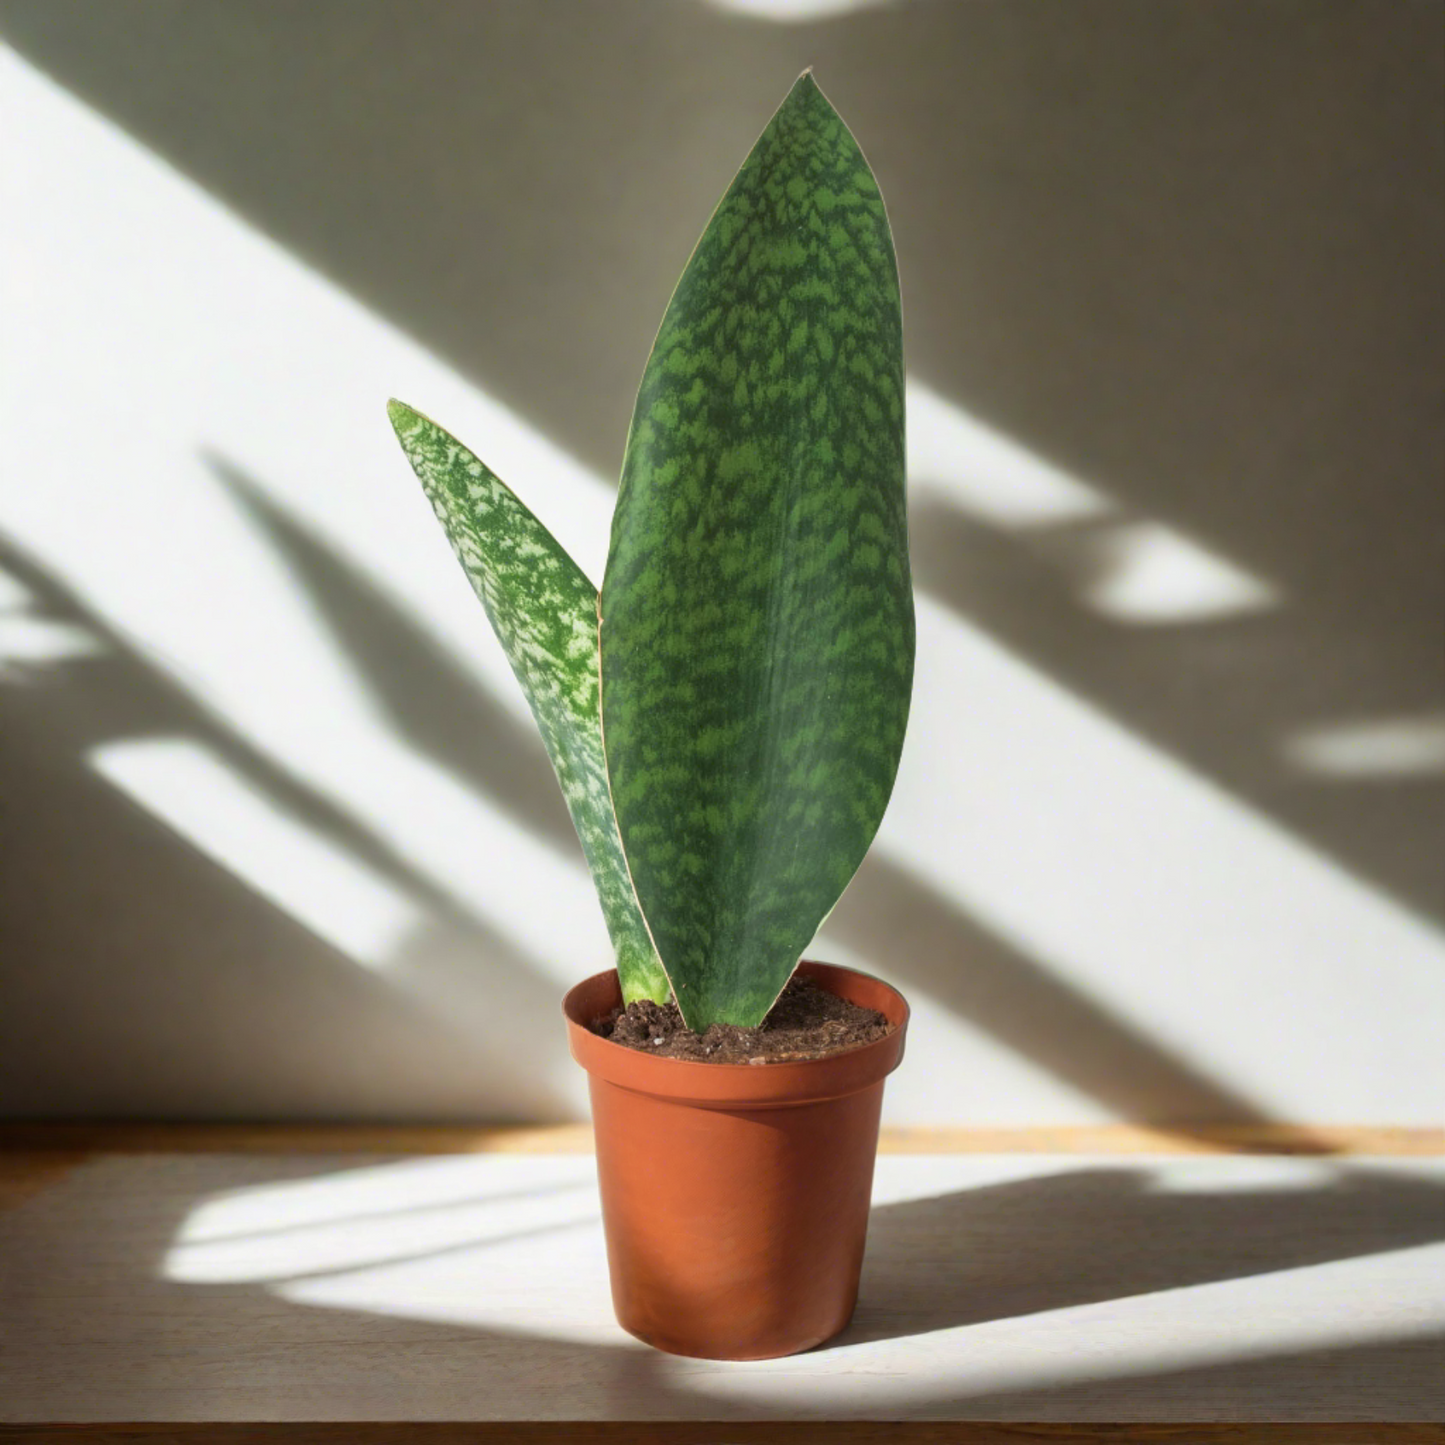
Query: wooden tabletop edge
{"x": 737, "y": 1432}
{"x": 127, "y": 1137}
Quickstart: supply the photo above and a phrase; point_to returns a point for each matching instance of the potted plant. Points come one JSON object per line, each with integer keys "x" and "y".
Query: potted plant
{"x": 725, "y": 719}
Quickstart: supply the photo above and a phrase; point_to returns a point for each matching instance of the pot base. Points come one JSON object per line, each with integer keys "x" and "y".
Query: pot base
{"x": 673, "y": 1347}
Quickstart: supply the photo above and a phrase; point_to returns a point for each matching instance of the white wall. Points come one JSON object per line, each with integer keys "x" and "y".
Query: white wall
{"x": 278, "y": 836}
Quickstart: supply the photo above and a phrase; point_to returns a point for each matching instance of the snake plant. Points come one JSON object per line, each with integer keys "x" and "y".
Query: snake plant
{"x": 725, "y": 718}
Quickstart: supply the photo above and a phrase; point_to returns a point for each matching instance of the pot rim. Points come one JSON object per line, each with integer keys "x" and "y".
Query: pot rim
{"x": 751, "y": 1086}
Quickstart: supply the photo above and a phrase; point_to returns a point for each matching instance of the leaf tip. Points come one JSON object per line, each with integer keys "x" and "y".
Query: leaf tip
{"x": 807, "y": 92}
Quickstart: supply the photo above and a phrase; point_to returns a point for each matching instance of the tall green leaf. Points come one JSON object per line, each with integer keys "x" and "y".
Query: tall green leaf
{"x": 544, "y": 611}
{"x": 757, "y": 613}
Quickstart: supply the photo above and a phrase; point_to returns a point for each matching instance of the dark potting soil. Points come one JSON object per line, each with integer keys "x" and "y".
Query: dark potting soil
{"x": 807, "y": 1022}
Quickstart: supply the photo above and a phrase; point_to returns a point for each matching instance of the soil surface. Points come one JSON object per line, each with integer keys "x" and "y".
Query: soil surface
{"x": 807, "y": 1022}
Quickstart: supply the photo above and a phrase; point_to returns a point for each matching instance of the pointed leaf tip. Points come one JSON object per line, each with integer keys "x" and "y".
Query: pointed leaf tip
{"x": 805, "y": 84}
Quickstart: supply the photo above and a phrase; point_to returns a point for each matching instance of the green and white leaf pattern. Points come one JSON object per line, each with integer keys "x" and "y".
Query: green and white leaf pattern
{"x": 757, "y": 613}
{"x": 544, "y": 611}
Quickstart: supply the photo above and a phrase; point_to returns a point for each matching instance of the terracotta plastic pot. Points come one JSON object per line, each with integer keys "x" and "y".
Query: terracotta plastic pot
{"x": 735, "y": 1196}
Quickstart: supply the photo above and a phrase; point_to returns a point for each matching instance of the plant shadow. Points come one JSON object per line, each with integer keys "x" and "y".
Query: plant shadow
{"x": 928, "y": 941}
{"x": 1083, "y": 1236}
{"x": 420, "y": 690}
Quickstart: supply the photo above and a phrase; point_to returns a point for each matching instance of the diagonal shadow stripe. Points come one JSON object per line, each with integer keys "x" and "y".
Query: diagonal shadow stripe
{"x": 423, "y": 693}
{"x": 1219, "y": 696}
{"x": 924, "y": 939}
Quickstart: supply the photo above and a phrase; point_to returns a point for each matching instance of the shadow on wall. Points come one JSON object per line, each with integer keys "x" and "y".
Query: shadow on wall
{"x": 459, "y": 1013}
{"x": 931, "y": 943}
{"x": 1233, "y": 694}
{"x": 1204, "y": 267}
{"x": 419, "y": 689}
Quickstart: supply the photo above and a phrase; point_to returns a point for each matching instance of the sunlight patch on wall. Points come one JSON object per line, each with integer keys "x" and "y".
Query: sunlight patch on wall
{"x": 1130, "y": 570}
{"x": 1147, "y": 573}
{"x": 1380, "y": 749}
{"x": 31, "y": 643}
{"x": 987, "y": 475}
{"x": 250, "y": 355}
{"x": 217, "y": 811}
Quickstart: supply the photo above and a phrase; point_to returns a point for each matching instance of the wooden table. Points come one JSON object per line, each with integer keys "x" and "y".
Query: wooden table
{"x": 438, "y": 1285}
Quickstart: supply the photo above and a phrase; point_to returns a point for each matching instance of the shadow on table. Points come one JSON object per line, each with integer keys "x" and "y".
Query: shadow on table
{"x": 1089, "y": 1235}
{"x": 93, "y": 1266}
{"x": 1391, "y": 1379}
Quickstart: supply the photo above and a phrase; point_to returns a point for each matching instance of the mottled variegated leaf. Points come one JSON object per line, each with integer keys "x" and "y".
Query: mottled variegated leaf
{"x": 544, "y": 611}
{"x": 757, "y": 632}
